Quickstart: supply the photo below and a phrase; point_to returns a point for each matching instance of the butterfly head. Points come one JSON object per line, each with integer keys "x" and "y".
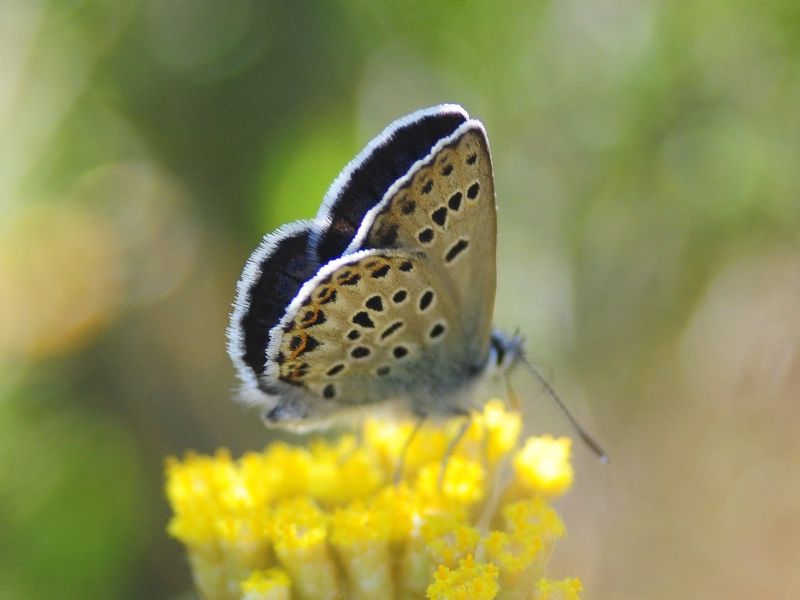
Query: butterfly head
{"x": 505, "y": 352}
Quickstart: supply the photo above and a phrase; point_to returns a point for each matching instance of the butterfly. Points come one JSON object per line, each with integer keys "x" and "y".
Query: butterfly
{"x": 386, "y": 297}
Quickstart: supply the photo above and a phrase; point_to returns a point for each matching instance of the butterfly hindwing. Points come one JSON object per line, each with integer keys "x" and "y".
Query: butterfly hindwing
{"x": 273, "y": 275}
{"x": 370, "y": 327}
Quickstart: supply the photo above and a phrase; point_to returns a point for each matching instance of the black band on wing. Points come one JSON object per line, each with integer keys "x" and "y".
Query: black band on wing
{"x": 370, "y": 179}
{"x": 280, "y": 274}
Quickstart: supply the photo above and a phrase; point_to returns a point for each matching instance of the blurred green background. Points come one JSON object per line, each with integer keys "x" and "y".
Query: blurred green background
{"x": 646, "y": 158}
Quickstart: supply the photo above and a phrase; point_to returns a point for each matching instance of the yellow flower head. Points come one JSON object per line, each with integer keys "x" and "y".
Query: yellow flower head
{"x": 543, "y": 465}
{"x": 271, "y": 584}
{"x": 470, "y": 581}
{"x": 568, "y": 589}
{"x": 327, "y": 521}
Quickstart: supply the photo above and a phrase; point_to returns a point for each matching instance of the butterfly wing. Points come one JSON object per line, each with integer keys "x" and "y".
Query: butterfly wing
{"x": 405, "y": 313}
{"x": 364, "y": 181}
{"x": 272, "y": 277}
{"x": 445, "y": 208}
{"x": 370, "y": 327}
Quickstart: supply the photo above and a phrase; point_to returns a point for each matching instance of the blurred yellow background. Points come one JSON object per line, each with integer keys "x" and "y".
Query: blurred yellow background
{"x": 646, "y": 157}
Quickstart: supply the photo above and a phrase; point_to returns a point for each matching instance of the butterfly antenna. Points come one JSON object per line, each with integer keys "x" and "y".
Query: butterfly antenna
{"x": 584, "y": 435}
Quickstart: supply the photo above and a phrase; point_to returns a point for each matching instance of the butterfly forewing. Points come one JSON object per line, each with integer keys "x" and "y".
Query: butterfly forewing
{"x": 445, "y": 208}
{"x": 272, "y": 276}
{"x": 363, "y": 183}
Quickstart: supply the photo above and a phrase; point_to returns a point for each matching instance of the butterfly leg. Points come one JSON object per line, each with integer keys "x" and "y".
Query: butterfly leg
{"x": 451, "y": 446}
{"x": 401, "y": 463}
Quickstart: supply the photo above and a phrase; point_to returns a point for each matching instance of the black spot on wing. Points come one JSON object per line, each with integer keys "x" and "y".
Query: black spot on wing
{"x": 407, "y": 206}
{"x": 329, "y": 391}
{"x": 313, "y": 317}
{"x": 439, "y": 216}
{"x": 391, "y": 329}
{"x": 399, "y": 296}
{"x": 374, "y": 303}
{"x": 309, "y": 344}
{"x": 472, "y": 158}
{"x": 280, "y": 276}
{"x": 436, "y": 331}
{"x": 399, "y": 351}
{"x": 362, "y": 318}
{"x": 380, "y": 272}
{"x": 334, "y": 370}
{"x": 360, "y": 352}
{"x": 425, "y": 236}
{"x": 455, "y": 250}
{"x": 349, "y": 278}
{"x": 425, "y": 300}
{"x": 296, "y": 372}
{"x": 372, "y": 178}
{"x": 385, "y": 236}
{"x": 326, "y": 294}
{"x": 472, "y": 191}
{"x": 455, "y": 201}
